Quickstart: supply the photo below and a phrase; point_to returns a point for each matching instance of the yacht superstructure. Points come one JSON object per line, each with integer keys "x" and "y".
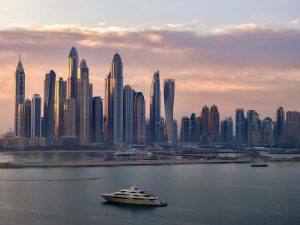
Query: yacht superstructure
{"x": 135, "y": 196}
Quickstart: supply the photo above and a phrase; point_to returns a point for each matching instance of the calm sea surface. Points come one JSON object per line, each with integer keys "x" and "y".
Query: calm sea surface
{"x": 219, "y": 194}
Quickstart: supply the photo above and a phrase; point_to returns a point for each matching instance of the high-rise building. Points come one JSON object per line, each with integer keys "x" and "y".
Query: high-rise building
{"x": 148, "y": 131}
{"x": 204, "y": 126}
{"x": 70, "y": 117}
{"x": 25, "y": 119}
{"x": 169, "y": 93}
{"x": 19, "y": 93}
{"x": 194, "y": 131}
{"x": 91, "y": 110}
{"x": 227, "y": 131}
{"x": 97, "y": 120}
{"x": 253, "y": 128}
{"x": 155, "y": 118}
{"x": 199, "y": 127}
{"x": 128, "y": 115}
{"x": 114, "y": 103}
{"x": 36, "y": 111}
{"x": 117, "y": 88}
{"x": 72, "y": 73}
{"x": 185, "y": 129}
{"x": 108, "y": 114}
{"x": 214, "y": 124}
{"x": 267, "y": 132}
{"x": 60, "y": 97}
{"x": 175, "y": 130}
{"x": 279, "y": 128}
{"x": 163, "y": 135}
{"x": 240, "y": 126}
{"x": 139, "y": 118}
{"x": 49, "y": 99}
{"x": 21, "y": 120}
{"x": 292, "y": 129}
{"x": 83, "y": 103}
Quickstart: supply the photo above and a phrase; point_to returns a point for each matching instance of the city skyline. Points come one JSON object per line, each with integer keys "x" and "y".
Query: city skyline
{"x": 248, "y": 63}
{"x": 116, "y": 58}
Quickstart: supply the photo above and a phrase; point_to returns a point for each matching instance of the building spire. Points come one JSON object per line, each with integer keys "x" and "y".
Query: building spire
{"x": 19, "y": 66}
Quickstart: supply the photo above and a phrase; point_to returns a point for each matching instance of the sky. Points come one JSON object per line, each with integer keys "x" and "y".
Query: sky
{"x": 233, "y": 53}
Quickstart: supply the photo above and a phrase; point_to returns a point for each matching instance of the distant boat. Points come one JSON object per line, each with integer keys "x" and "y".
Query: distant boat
{"x": 134, "y": 196}
{"x": 259, "y": 163}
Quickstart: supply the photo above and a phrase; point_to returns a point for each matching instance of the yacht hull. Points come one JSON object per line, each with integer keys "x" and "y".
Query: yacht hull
{"x": 133, "y": 201}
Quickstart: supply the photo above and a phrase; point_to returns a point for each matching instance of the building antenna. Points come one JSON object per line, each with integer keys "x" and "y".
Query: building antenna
{"x": 20, "y": 57}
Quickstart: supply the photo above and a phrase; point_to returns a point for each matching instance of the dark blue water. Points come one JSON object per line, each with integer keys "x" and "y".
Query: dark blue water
{"x": 220, "y": 194}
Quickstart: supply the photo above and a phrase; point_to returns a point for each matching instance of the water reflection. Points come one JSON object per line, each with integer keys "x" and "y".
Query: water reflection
{"x": 133, "y": 208}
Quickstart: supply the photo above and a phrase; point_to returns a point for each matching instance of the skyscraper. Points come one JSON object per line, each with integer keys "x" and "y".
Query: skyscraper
{"x": 139, "y": 118}
{"x": 128, "y": 116}
{"x": 194, "y": 134}
{"x": 279, "y": 128}
{"x": 169, "y": 92}
{"x": 108, "y": 114}
{"x": 97, "y": 120}
{"x": 292, "y": 129}
{"x": 91, "y": 95}
{"x": 83, "y": 103}
{"x": 19, "y": 93}
{"x": 214, "y": 124}
{"x": 175, "y": 129}
{"x": 25, "y": 119}
{"x": 204, "y": 126}
{"x": 60, "y": 96}
{"x": 36, "y": 123}
{"x": 227, "y": 131}
{"x": 72, "y": 73}
{"x": 267, "y": 131}
{"x": 114, "y": 102}
{"x": 49, "y": 99}
{"x": 185, "y": 129}
{"x": 70, "y": 117}
{"x": 253, "y": 128}
{"x": 239, "y": 126}
{"x": 148, "y": 131}
{"x": 21, "y": 120}
{"x": 155, "y": 120}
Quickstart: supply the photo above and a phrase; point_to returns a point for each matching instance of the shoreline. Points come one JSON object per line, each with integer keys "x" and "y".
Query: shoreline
{"x": 101, "y": 163}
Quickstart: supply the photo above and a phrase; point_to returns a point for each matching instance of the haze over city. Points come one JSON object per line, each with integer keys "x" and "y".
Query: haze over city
{"x": 233, "y": 54}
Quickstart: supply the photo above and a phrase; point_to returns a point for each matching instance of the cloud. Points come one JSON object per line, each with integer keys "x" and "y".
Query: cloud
{"x": 295, "y": 22}
{"x": 243, "y": 65}
{"x": 247, "y": 27}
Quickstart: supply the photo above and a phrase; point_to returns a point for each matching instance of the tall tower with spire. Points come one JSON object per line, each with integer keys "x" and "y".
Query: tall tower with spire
{"x": 117, "y": 98}
{"x": 155, "y": 120}
{"x": 72, "y": 73}
{"x": 114, "y": 103}
{"x": 49, "y": 106}
{"x": 169, "y": 92}
{"x": 279, "y": 124}
{"x": 84, "y": 103}
{"x": 19, "y": 92}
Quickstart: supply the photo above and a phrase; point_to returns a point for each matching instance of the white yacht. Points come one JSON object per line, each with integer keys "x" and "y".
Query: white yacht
{"x": 134, "y": 196}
